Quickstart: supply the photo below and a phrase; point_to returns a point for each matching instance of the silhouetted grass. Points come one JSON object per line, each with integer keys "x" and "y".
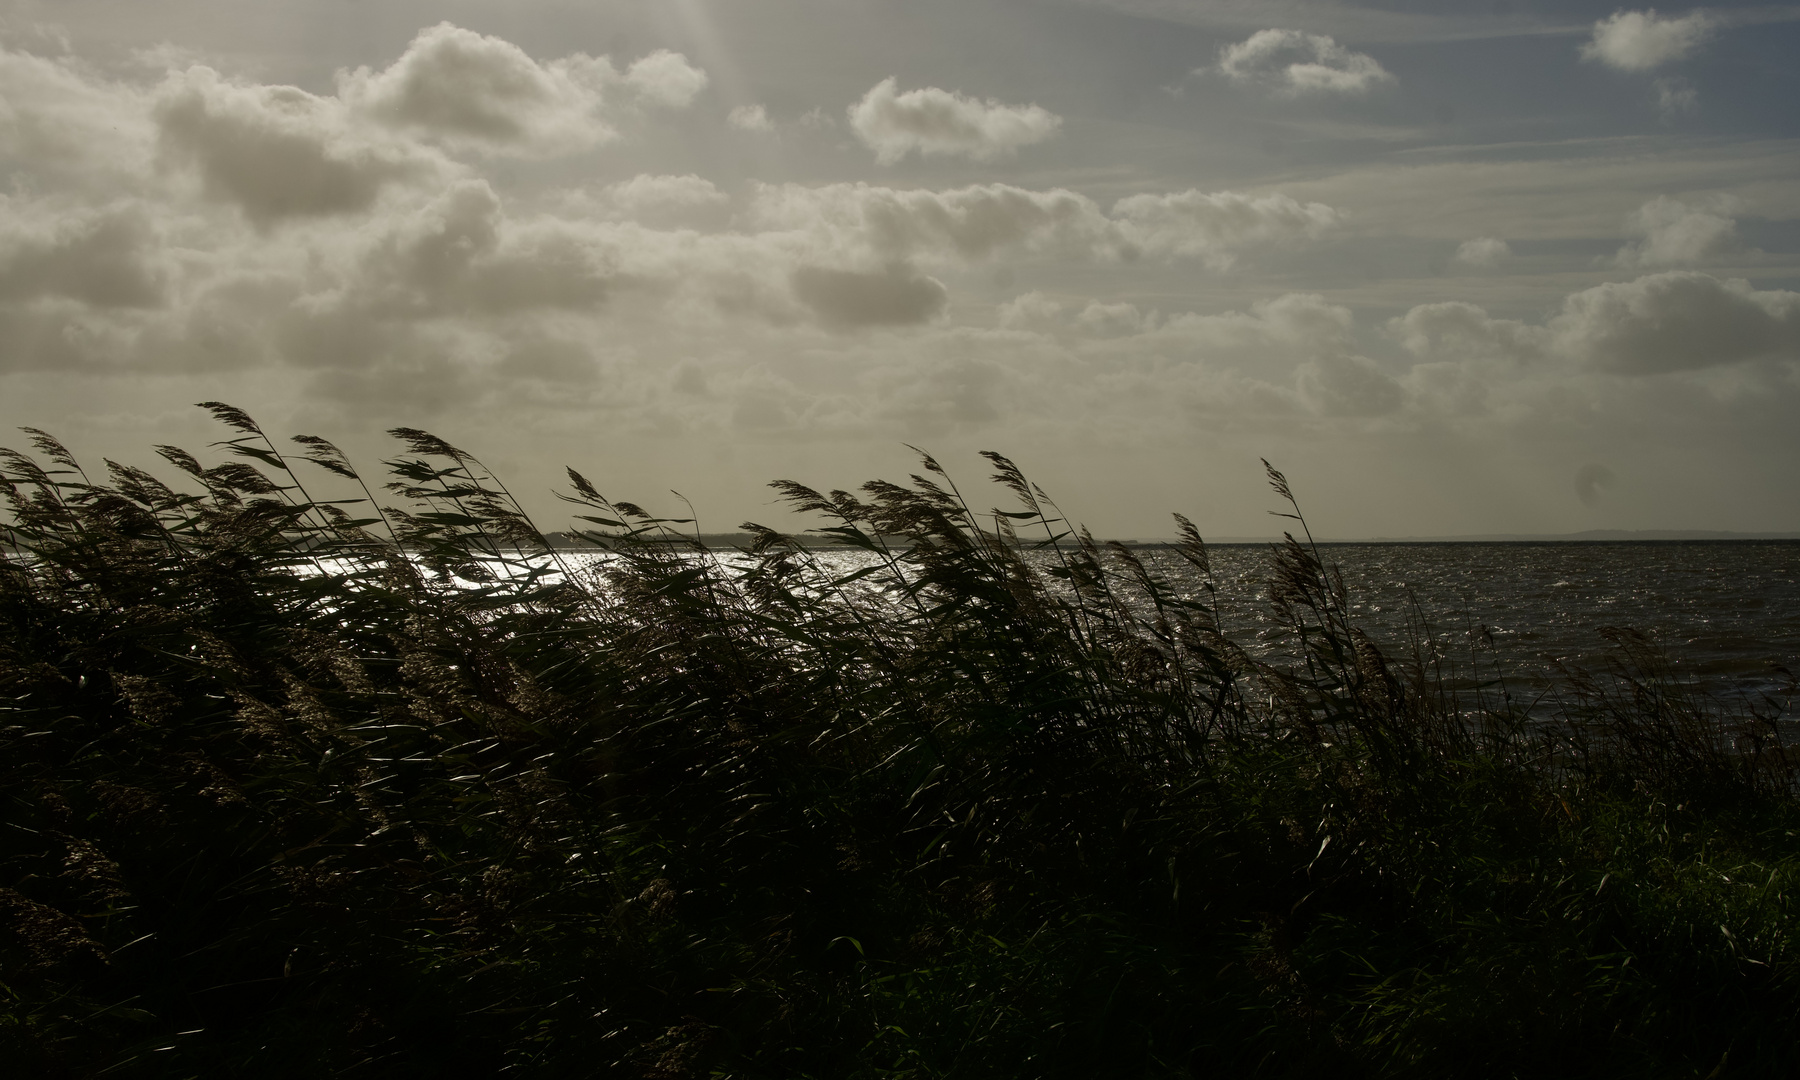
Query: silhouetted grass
{"x": 299, "y": 787}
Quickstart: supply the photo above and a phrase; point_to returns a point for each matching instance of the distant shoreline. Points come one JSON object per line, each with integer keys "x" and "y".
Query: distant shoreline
{"x": 566, "y": 542}
{"x": 1592, "y": 536}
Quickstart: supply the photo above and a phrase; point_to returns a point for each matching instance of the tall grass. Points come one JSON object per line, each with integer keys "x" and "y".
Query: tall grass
{"x": 310, "y": 787}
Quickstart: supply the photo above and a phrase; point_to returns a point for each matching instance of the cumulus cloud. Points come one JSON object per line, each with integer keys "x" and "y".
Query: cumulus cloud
{"x": 1031, "y": 312}
{"x": 1456, "y": 330}
{"x": 1674, "y": 233}
{"x": 966, "y": 223}
{"x": 1482, "y": 253}
{"x": 108, "y": 258}
{"x": 1446, "y": 388}
{"x": 939, "y": 122}
{"x": 665, "y": 78}
{"x": 750, "y": 118}
{"x": 460, "y": 254}
{"x": 479, "y": 92}
{"x": 280, "y": 153}
{"x": 983, "y": 220}
{"x": 1295, "y": 62}
{"x": 949, "y": 393}
{"x": 1215, "y": 227}
{"x": 1643, "y": 40}
{"x": 277, "y": 151}
{"x": 1348, "y": 386}
{"x": 1294, "y": 324}
{"x": 654, "y": 200}
{"x": 60, "y": 121}
{"x": 332, "y": 244}
{"x": 1330, "y": 378}
{"x": 1120, "y": 319}
{"x": 1667, "y": 322}
{"x": 1681, "y": 320}
{"x": 896, "y": 295}
{"x": 1034, "y": 312}
{"x": 1293, "y": 355}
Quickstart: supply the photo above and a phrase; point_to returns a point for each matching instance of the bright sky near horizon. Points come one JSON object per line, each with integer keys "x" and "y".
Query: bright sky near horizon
{"x": 1454, "y": 267}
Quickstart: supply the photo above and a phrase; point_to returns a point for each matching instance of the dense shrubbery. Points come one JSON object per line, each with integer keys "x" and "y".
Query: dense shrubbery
{"x": 282, "y": 796}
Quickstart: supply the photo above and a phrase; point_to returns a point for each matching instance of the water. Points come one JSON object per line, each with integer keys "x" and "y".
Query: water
{"x": 1724, "y": 611}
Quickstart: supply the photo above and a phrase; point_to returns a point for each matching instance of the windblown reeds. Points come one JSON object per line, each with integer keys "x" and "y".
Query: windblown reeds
{"x": 306, "y": 787}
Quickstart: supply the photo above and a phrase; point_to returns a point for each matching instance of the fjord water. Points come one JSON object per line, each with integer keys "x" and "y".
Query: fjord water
{"x": 1726, "y": 611}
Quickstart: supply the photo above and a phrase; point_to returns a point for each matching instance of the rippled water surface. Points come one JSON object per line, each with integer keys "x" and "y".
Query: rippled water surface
{"x": 1727, "y": 612}
{"x": 1724, "y": 610}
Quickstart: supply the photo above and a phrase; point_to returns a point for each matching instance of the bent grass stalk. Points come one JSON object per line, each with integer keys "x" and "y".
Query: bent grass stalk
{"x": 976, "y": 807}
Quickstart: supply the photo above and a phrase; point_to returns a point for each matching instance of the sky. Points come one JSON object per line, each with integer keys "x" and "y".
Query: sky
{"x": 1497, "y": 267}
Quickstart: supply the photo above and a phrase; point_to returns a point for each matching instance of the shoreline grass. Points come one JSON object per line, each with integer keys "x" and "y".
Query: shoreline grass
{"x": 319, "y": 788}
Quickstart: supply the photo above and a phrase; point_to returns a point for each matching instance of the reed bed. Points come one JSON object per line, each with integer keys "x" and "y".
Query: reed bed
{"x": 392, "y": 786}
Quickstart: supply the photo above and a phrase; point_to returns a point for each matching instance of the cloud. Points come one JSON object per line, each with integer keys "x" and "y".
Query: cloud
{"x": 458, "y": 254}
{"x": 1676, "y": 97}
{"x": 1482, "y": 253}
{"x": 665, "y": 78}
{"x": 551, "y": 360}
{"x": 473, "y": 91}
{"x": 1348, "y": 386}
{"x": 658, "y": 201}
{"x": 107, "y": 258}
{"x": 1114, "y": 320}
{"x": 60, "y": 121}
{"x": 939, "y": 122}
{"x": 1446, "y": 388}
{"x": 1035, "y": 312}
{"x": 1456, "y": 330}
{"x": 1643, "y": 40}
{"x": 1677, "y": 234}
{"x": 1667, "y": 322}
{"x": 985, "y": 220}
{"x": 1295, "y": 349}
{"x": 894, "y": 296}
{"x": 750, "y": 118}
{"x": 1589, "y": 480}
{"x": 277, "y": 151}
{"x": 282, "y": 153}
{"x": 329, "y": 239}
{"x": 1676, "y": 321}
{"x": 448, "y": 291}
{"x": 1295, "y": 63}
{"x": 1293, "y": 325}
{"x": 961, "y": 224}
{"x": 1215, "y": 227}
{"x": 330, "y": 246}
{"x": 1032, "y": 312}
{"x": 1291, "y": 356}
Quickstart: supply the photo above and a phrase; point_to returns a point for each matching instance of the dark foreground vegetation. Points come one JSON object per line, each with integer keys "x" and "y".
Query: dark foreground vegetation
{"x": 278, "y": 798}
